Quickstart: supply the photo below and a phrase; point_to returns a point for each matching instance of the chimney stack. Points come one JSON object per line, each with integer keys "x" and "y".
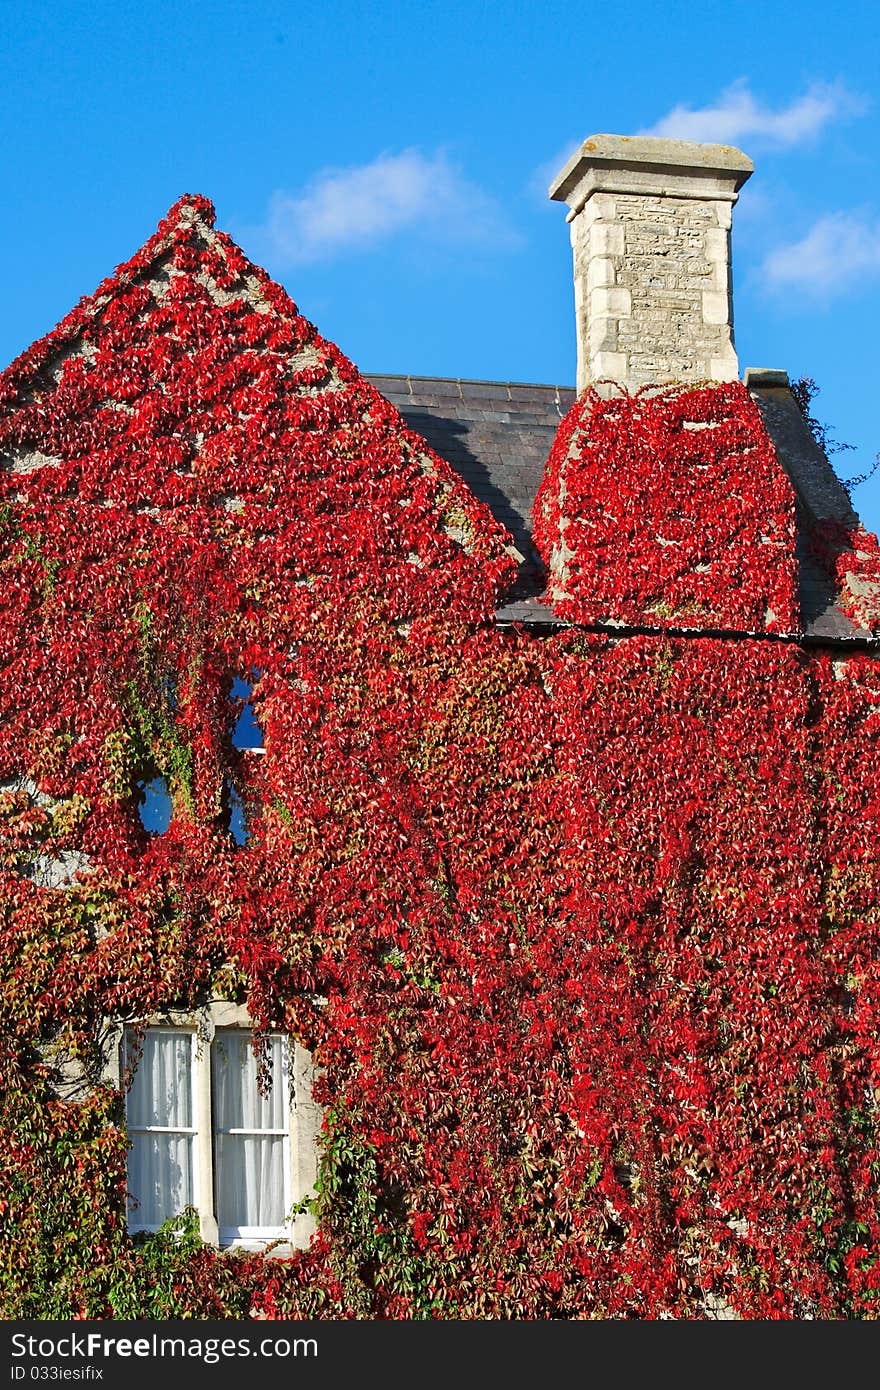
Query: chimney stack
{"x": 650, "y": 229}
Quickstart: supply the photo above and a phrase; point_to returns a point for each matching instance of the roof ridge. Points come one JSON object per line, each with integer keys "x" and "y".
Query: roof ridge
{"x": 472, "y": 381}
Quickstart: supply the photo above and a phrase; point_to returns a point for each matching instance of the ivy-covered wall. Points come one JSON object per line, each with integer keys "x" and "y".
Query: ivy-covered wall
{"x": 581, "y": 931}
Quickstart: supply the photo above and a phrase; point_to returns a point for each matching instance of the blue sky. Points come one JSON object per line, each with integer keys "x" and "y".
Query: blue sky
{"x": 389, "y": 162}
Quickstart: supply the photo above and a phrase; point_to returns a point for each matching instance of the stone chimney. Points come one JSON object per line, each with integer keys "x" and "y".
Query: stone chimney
{"x": 650, "y": 229}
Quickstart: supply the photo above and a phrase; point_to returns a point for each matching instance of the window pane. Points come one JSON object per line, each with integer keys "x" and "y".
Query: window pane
{"x": 250, "y": 1181}
{"x": 237, "y": 1100}
{"x": 238, "y": 827}
{"x": 159, "y": 1177}
{"x": 155, "y": 806}
{"x": 247, "y": 732}
{"x": 161, "y": 1092}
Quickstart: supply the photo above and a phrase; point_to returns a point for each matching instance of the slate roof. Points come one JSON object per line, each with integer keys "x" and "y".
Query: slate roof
{"x": 820, "y": 496}
{"x": 497, "y": 436}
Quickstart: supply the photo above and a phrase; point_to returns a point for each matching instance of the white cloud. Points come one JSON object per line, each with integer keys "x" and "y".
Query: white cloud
{"x": 352, "y": 209}
{"x": 839, "y": 252}
{"x": 737, "y": 116}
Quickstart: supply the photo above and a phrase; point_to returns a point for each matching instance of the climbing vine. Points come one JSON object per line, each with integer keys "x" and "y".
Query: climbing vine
{"x": 582, "y": 931}
{"x": 668, "y": 508}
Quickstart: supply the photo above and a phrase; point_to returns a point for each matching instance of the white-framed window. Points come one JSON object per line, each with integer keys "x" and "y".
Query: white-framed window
{"x": 251, "y": 1138}
{"x": 207, "y": 1131}
{"x": 160, "y": 1111}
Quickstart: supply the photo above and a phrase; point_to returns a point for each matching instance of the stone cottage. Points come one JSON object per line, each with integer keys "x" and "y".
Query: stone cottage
{"x": 439, "y": 815}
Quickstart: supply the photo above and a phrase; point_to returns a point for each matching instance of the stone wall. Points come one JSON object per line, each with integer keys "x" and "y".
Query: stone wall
{"x": 652, "y": 287}
{"x": 650, "y": 230}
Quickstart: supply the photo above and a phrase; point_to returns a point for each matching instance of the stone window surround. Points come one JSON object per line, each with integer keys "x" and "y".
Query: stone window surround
{"x": 304, "y": 1114}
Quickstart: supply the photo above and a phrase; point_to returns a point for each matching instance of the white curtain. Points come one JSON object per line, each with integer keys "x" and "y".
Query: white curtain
{"x": 159, "y": 1112}
{"x": 249, "y": 1161}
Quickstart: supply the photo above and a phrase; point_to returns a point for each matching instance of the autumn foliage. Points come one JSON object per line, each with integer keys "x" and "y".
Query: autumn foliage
{"x": 581, "y": 930}
{"x": 719, "y": 549}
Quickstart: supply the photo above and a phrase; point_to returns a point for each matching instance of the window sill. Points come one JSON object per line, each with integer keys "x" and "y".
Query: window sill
{"x": 273, "y": 1247}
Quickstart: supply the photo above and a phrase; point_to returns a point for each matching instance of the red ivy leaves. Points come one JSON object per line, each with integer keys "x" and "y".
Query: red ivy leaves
{"x": 583, "y": 932}
{"x": 669, "y": 509}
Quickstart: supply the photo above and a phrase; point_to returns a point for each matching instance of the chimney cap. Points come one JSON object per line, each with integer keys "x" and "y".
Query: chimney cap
{"x": 757, "y": 377}
{"x": 647, "y": 164}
